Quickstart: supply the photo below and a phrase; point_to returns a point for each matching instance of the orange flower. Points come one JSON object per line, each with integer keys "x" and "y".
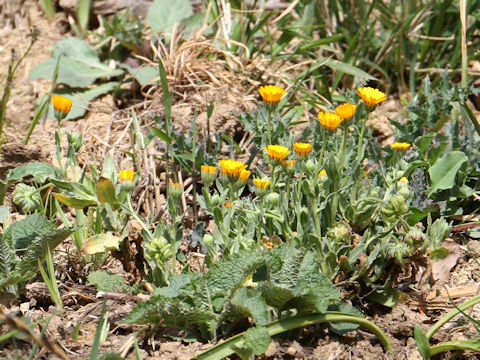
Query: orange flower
{"x": 289, "y": 165}
{"x": 244, "y": 175}
{"x": 231, "y": 168}
{"x": 126, "y": 175}
{"x": 346, "y": 111}
{"x": 229, "y": 204}
{"x": 329, "y": 121}
{"x": 371, "y": 96}
{"x": 302, "y": 149}
{"x": 62, "y": 106}
{"x": 271, "y": 94}
{"x": 277, "y": 152}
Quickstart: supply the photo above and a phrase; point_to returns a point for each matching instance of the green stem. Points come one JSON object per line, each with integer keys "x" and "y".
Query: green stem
{"x": 462, "y": 307}
{"x": 269, "y": 120}
{"x": 360, "y": 137}
{"x": 227, "y": 347}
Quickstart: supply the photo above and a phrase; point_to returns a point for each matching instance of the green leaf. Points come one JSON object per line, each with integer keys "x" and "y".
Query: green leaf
{"x": 38, "y": 247}
{"x": 163, "y": 14}
{"x": 346, "y": 68}
{"x": 101, "y": 243}
{"x": 443, "y": 172}
{"x": 78, "y": 67}
{"x": 437, "y": 232}
{"x": 40, "y": 172}
{"x": 144, "y": 75}
{"x": 422, "y": 342}
{"x": 83, "y": 13}
{"x": 23, "y": 232}
{"x": 104, "y": 281}
{"x": 251, "y": 303}
{"x": 7, "y": 258}
{"x": 4, "y": 213}
{"x": 438, "y": 254}
{"x": 110, "y": 355}
{"x": 387, "y": 297}
{"x": 255, "y": 342}
{"x": 74, "y": 202}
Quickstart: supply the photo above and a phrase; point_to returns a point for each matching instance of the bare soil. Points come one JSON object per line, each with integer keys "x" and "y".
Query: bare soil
{"x": 104, "y": 131}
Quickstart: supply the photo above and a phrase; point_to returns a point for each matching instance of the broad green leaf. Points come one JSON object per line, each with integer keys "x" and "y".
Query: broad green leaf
{"x": 23, "y": 232}
{"x": 4, "y": 212}
{"x": 101, "y": 243}
{"x": 163, "y": 14}
{"x": 423, "y": 345}
{"x": 251, "y": 303}
{"x": 40, "y": 172}
{"x": 37, "y": 248}
{"x": 104, "y": 281}
{"x": 106, "y": 192}
{"x": 388, "y": 297}
{"x": 144, "y": 75}
{"x": 78, "y": 67}
{"x": 443, "y": 172}
{"x": 74, "y": 202}
{"x": 108, "y": 168}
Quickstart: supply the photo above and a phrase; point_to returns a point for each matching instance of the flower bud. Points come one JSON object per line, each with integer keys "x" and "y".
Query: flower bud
{"x": 339, "y": 232}
{"x": 209, "y": 173}
{"x": 75, "y": 140}
{"x": 127, "y": 180}
{"x": 175, "y": 191}
{"x": 27, "y": 197}
{"x": 272, "y": 199}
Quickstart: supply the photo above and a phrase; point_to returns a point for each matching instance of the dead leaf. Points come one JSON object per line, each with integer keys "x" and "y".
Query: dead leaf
{"x": 441, "y": 269}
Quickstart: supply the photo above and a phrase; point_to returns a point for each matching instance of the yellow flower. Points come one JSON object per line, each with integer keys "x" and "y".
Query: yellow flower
{"x": 329, "y": 121}
{"x": 126, "y": 175}
{"x": 231, "y": 168}
{"x": 244, "y": 175}
{"x": 302, "y": 149}
{"x": 371, "y": 96}
{"x": 346, "y": 111}
{"x": 209, "y": 173}
{"x": 62, "y": 106}
{"x": 322, "y": 174}
{"x": 403, "y": 179}
{"x": 261, "y": 183}
{"x": 277, "y": 152}
{"x": 402, "y": 146}
{"x": 271, "y": 94}
{"x": 127, "y": 180}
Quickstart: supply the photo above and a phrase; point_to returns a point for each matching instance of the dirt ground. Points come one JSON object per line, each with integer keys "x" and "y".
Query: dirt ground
{"x": 104, "y": 132}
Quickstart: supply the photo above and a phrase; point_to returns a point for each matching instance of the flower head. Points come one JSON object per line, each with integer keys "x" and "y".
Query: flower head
{"x": 261, "y": 183}
{"x": 231, "y": 168}
{"x": 302, "y": 149}
{"x": 322, "y": 174}
{"x": 261, "y": 186}
{"x": 62, "y": 106}
{"x": 371, "y": 96}
{"x": 271, "y": 94}
{"x": 126, "y": 175}
{"x": 244, "y": 175}
{"x": 329, "y": 121}
{"x": 403, "y": 180}
{"x": 127, "y": 180}
{"x": 277, "y": 152}
{"x": 229, "y": 204}
{"x": 402, "y": 146}
{"x": 346, "y": 111}
{"x": 209, "y": 173}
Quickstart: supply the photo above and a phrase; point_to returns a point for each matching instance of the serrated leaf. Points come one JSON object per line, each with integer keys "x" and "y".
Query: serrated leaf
{"x": 24, "y": 231}
{"x": 40, "y": 172}
{"x": 104, "y": 281}
{"x": 38, "y": 247}
{"x": 443, "y": 172}
{"x": 255, "y": 342}
{"x": 177, "y": 312}
{"x": 163, "y": 14}
{"x": 74, "y": 202}
{"x": 251, "y": 303}
{"x": 7, "y": 258}
{"x": 101, "y": 243}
